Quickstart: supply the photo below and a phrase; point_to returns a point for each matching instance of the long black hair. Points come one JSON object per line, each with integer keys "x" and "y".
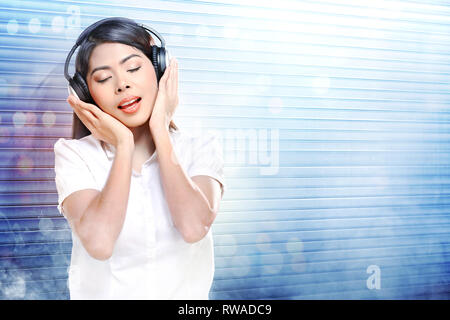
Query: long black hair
{"x": 124, "y": 31}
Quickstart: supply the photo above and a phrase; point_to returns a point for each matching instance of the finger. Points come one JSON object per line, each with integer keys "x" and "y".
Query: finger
{"x": 169, "y": 72}
{"x": 89, "y": 107}
{"x": 84, "y": 115}
{"x": 84, "y": 118}
{"x": 74, "y": 105}
{"x": 172, "y": 74}
{"x": 71, "y": 100}
{"x": 173, "y": 87}
{"x": 165, "y": 75}
{"x": 169, "y": 79}
{"x": 176, "y": 76}
{"x": 166, "y": 72}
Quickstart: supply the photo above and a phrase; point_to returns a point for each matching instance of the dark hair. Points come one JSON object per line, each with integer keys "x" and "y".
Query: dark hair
{"x": 122, "y": 31}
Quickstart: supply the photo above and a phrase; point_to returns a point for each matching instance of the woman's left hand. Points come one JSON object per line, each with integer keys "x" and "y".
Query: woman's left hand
{"x": 167, "y": 98}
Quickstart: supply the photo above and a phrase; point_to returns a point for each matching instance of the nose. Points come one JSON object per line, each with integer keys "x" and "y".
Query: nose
{"x": 122, "y": 86}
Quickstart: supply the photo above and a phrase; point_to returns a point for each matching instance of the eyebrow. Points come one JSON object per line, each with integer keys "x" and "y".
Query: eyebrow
{"x": 121, "y": 62}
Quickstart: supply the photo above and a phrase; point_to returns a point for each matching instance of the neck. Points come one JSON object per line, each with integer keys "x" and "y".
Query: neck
{"x": 143, "y": 140}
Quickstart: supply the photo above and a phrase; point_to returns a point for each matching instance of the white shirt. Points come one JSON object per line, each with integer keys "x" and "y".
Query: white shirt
{"x": 150, "y": 258}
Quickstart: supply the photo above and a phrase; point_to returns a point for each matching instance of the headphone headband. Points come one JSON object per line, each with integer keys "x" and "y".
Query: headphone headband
{"x": 86, "y": 32}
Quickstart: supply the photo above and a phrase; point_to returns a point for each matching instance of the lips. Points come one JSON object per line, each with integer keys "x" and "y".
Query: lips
{"x": 128, "y": 102}
{"x": 133, "y": 106}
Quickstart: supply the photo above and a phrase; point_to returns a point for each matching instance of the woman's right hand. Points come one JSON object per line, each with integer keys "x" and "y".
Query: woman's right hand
{"x": 102, "y": 125}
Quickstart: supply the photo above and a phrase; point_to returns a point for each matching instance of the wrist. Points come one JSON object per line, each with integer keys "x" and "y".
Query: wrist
{"x": 156, "y": 124}
{"x": 127, "y": 144}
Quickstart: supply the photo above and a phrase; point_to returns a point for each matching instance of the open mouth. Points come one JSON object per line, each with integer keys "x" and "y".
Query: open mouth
{"x": 130, "y": 104}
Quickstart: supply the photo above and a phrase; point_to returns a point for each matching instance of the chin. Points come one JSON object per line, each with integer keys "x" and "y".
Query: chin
{"x": 137, "y": 121}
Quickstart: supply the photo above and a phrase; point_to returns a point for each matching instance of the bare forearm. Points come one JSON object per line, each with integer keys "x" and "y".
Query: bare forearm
{"x": 103, "y": 219}
{"x": 189, "y": 207}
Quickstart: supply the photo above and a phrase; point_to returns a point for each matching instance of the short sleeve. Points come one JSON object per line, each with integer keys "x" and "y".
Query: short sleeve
{"x": 71, "y": 171}
{"x": 207, "y": 159}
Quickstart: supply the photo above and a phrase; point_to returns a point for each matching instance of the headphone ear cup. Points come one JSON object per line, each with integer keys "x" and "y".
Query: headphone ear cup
{"x": 155, "y": 62}
{"x": 80, "y": 87}
{"x": 162, "y": 59}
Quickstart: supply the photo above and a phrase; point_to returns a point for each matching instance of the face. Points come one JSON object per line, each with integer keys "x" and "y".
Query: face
{"x": 119, "y": 74}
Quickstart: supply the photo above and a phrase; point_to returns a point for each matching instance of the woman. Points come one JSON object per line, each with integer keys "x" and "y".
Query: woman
{"x": 139, "y": 194}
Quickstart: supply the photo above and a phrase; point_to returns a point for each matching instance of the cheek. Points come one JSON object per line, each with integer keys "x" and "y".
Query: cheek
{"x": 100, "y": 95}
{"x": 149, "y": 77}
{"x": 142, "y": 82}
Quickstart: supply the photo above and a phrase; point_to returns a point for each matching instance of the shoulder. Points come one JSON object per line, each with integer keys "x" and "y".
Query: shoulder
{"x": 83, "y": 146}
{"x": 198, "y": 149}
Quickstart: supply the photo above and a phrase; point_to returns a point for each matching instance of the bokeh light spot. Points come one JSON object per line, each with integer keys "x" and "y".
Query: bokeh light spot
{"x": 19, "y": 119}
{"x": 272, "y": 263}
{"x": 34, "y": 25}
{"x": 263, "y": 243}
{"x": 241, "y": 266}
{"x": 58, "y": 24}
{"x": 294, "y": 245}
{"x": 48, "y": 119}
{"x": 25, "y": 165}
{"x": 12, "y": 27}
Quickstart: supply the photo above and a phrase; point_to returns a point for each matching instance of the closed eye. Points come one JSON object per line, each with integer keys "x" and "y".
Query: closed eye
{"x": 135, "y": 69}
{"x": 131, "y": 70}
{"x": 101, "y": 81}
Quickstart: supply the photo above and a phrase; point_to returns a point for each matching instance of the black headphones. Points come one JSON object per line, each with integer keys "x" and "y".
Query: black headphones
{"x": 77, "y": 84}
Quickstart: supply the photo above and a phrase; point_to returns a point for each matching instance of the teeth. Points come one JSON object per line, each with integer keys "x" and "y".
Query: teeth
{"x": 129, "y": 103}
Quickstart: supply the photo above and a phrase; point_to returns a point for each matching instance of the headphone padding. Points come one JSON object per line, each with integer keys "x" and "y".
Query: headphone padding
{"x": 155, "y": 62}
{"x": 80, "y": 87}
{"x": 162, "y": 59}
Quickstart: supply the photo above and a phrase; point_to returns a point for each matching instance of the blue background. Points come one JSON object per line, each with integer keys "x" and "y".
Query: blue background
{"x": 334, "y": 121}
